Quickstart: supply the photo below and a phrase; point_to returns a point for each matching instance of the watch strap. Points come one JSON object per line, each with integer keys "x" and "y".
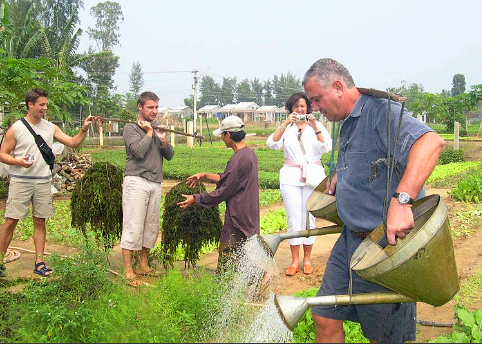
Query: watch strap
{"x": 397, "y": 194}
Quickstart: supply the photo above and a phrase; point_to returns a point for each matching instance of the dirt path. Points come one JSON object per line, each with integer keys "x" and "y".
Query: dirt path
{"x": 468, "y": 252}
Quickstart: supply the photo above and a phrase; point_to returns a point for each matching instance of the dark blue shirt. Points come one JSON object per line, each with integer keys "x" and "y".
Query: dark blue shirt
{"x": 361, "y": 171}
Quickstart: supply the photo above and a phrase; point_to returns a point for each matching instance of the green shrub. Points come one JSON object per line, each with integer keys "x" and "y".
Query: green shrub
{"x": 467, "y": 329}
{"x": 468, "y": 190}
{"x": 3, "y": 189}
{"x": 451, "y": 155}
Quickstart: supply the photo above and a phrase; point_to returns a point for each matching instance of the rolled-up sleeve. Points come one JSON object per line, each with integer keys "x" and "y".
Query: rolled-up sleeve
{"x": 274, "y": 145}
{"x": 226, "y": 187}
{"x": 326, "y": 146}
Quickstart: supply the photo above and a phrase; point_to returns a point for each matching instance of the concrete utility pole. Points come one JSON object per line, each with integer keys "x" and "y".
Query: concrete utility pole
{"x": 195, "y": 98}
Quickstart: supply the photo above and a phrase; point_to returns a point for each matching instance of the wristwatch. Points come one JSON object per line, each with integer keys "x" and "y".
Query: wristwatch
{"x": 403, "y": 198}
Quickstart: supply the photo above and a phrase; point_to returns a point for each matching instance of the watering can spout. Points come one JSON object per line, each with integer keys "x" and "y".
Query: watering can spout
{"x": 270, "y": 242}
{"x": 291, "y": 309}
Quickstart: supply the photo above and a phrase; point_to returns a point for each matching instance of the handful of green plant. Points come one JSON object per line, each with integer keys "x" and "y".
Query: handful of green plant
{"x": 192, "y": 228}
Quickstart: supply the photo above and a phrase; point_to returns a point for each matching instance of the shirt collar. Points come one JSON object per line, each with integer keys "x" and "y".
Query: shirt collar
{"x": 357, "y": 109}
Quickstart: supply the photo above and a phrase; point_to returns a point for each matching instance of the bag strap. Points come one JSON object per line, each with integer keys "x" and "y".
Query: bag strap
{"x": 301, "y": 144}
{"x": 24, "y": 121}
{"x": 40, "y": 143}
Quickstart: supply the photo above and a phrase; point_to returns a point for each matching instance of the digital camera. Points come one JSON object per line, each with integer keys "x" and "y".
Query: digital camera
{"x": 30, "y": 157}
{"x": 301, "y": 118}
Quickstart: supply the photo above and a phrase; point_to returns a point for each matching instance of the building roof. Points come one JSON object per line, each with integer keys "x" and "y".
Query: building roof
{"x": 246, "y": 106}
{"x": 228, "y": 107}
{"x": 180, "y": 108}
{"x": 268, "y": 108}
{"x": 209, "y": 108}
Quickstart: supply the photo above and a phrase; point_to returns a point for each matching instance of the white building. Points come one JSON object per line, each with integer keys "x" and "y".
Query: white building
{"x": 181, "y": 111}
{"x": 209, "y": 111}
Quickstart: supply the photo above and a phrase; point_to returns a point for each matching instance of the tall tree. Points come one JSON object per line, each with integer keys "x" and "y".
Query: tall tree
{"x": 268, "y": 92}
{"x": 458, "y": 84}
{"x": 106, "y": 33}
{"x": 61, "y": 18}
{"x": 100, "y": 69}
{"x": 257, "y": 88}
{"x": 210, "y": 92}
{"x": 136, "y": 79}
{"x": 228, "y": 91}
{"x": 20, "y": 42}
{"x": 245, "y": 94}
{"x": 411, "y": 91}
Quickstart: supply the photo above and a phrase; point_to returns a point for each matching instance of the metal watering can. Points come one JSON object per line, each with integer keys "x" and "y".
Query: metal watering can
{"x": 420, "y": 268}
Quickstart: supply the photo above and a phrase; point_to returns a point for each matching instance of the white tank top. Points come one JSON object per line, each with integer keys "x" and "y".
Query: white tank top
{"x": 39, "y": 172}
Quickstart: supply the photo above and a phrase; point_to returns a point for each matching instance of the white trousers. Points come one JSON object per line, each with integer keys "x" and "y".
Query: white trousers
{"x": 141, "y": 203}
{"x": 294, "y": 198}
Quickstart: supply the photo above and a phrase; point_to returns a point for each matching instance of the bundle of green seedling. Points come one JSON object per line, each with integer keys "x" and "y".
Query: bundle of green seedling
{"x": 97, "y": 201}
{"x": 191, "y": 227}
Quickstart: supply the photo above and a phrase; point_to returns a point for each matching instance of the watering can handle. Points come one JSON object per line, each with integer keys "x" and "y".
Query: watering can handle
{"x": 417, "y": 210}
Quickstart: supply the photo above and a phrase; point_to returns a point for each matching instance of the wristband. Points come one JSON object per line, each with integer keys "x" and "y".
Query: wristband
{"x": 318, "y": 132}
{"x": 82, "y": 128}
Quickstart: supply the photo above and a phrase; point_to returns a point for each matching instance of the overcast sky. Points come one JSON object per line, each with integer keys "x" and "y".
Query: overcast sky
{"x": 380, "y": 42}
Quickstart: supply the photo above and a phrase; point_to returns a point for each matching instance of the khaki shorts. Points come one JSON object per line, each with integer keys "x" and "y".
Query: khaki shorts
{"x": 141, "y": 203}
{"x": 21, "y": 195}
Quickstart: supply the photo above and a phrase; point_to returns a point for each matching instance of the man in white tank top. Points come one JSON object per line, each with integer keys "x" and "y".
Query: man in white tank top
{"x": 30, "y": 176}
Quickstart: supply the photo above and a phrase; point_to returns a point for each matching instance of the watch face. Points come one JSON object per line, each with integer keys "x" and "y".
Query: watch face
{"x": 403, "y": 198}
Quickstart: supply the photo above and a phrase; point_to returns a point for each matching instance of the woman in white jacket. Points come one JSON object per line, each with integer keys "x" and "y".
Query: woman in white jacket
{"x": 304, "y": 140}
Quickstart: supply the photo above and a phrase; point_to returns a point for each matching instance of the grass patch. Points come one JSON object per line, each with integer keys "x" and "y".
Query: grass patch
{"x": 470, "y": 289}
{"x": 466, "y": 219}
{"x": 448, "y": 175}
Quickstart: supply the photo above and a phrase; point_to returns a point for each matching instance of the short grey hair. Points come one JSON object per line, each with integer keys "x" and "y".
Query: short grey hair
{"x": 327, "y": 70}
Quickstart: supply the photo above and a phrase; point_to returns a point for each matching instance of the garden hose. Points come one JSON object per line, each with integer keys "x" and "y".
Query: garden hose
{"x": 11, "y": 256}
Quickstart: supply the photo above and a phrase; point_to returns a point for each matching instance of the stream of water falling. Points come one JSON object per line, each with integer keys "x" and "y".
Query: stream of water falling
{"x": 247, "y": 312}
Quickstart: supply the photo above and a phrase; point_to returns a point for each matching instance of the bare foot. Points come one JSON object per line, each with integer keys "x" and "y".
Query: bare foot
{"x": 144, "y": 270}
{"x": 130, "y": 275}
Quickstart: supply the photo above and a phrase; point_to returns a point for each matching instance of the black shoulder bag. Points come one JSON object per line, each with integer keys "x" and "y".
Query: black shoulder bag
{"x": 44, "y": 148}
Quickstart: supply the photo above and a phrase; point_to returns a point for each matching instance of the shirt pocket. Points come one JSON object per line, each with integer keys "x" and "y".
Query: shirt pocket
{"x": 357, "y": 171}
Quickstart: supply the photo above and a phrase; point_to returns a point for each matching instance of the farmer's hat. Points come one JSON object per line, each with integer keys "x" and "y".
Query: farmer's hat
{"x": 231, "y": 124}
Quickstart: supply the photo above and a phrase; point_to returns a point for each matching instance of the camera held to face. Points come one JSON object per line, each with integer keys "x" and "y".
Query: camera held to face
{"x": 301, "y": 118}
